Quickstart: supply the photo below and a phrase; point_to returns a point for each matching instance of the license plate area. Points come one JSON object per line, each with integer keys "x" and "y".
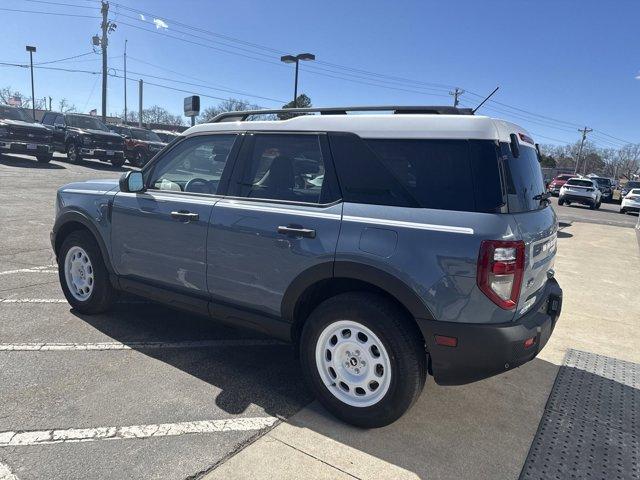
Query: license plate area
{"x": 32, "y": 146}
{"x": 110, "y": 153}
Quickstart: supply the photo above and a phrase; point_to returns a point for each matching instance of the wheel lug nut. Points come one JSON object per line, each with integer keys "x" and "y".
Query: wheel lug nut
{"x": 363, "y": 363}
{"x": 357, "y": 370}
{"x": 348, "y": 353}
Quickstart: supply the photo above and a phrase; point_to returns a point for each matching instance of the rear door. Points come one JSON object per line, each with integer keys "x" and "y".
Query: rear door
{"x": 536, "y": 219}
{"x": 159, "y": 235}
{"x": 281, "y": 218}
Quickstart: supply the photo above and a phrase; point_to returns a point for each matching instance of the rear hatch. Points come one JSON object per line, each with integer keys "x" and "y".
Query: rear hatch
{"x": 579, "y": 187}
{"x": 535, "y": 218}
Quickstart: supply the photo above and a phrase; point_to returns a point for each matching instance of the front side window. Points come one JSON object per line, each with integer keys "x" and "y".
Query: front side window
{"x": 284, "y": 167}
{"x": 194, "y": 165}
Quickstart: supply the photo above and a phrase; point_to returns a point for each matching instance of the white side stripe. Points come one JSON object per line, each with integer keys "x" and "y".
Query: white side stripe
{"x": 315, "y": 213}
{"x": 5, "y": 473}
{"x": 72, "y": 435}
{"x": 58, "y": 347}
{"x": 418, "y": 226}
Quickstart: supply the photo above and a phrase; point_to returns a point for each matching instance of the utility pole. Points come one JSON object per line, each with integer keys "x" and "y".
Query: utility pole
{"x": 456, "y": 96}
{"x": 584, "y": 131}
{"x": 31, "y": 49}
{"x": 140, "y": 103}
{"x": 103, "y": 43}
{"x": 49, "y": 103}
{"x": 125, "y": 81}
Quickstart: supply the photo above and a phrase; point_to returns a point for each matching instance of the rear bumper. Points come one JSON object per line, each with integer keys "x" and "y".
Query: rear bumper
{"x": 484, "y": 350}
{"x": 26, "y": 147}
{"x": 585, "y": 200}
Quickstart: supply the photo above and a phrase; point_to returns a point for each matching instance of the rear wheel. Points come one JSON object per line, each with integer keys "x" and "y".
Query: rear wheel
{"x": 139, "y": 159}
{"x": 83, "y": 275}
{"x": 561, "y": 201}
{"x": 622, "y": 210}
{"x": 44, "y": 157}
{"x": 593, "y": 205}
{"x": 598, "y": 205}
{"x": 363, "y": 358}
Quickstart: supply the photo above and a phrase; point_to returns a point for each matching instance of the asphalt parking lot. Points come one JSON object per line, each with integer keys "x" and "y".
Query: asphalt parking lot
{"x": 180, "y": 397}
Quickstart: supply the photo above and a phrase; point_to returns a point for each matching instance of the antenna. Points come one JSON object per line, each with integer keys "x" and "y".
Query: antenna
{"x": 488, "y": 97}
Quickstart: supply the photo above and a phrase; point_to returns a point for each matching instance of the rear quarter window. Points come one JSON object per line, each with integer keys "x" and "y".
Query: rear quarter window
{"x": 523, "y": 179}
{"x": 460, "y": 175}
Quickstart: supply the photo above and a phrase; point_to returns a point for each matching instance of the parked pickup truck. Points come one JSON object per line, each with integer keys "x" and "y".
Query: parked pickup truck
{"x": 385, "y": 247}
{"x": 20, "y": 134}
{"x": 84, "y": 136}
{"x": 140, "y": 145}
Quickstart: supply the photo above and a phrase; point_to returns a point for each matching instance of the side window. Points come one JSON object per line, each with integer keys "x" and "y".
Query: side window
{"x": 283, "y": 167}
{"x": 59, "y": 119}
{"x": 194, "y": 165}
{"x": 48, "y": 118}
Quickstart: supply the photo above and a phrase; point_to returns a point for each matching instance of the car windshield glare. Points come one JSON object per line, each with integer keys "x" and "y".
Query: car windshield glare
{"x": 15, "y": 114}
{"x": 89, "y": 123}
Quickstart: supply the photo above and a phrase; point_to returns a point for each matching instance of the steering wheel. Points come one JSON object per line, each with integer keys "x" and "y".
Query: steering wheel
{"x": 198, "y": 185}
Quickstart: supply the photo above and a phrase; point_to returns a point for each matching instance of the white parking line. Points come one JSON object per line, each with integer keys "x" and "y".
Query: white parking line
{"x": 57, "y": 347}
{"x": 41, "y": 269}
{"x": 32, "y": 300}
{"x": 5, "y": 473}
{"x": 72, "y": 435}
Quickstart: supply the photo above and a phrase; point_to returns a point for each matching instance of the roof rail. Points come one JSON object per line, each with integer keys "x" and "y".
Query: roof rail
{"x": 396, "y": 109}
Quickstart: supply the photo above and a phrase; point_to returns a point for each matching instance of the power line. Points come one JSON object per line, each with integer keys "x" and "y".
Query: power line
{"x": 15, "y": 10}
{"x": 63, "y": 59}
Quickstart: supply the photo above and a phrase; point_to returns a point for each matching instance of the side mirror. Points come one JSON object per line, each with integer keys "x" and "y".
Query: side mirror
{"x": 58, "y": 126}
{"x": 131, "y": 182}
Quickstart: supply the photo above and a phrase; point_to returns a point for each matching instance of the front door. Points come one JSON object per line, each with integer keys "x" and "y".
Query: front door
{"x": 281, "y": 218}
{"x": 159, "y": 235}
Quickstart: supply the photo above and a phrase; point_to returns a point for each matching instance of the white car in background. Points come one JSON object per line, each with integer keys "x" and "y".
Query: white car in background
{"x": 631, "y": 201}
{"x": 580, "y": 190}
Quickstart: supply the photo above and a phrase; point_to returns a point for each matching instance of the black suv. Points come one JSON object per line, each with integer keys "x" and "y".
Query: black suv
{"x": 20, "y": 134}
{"x": 84, "y": 136}
{"x": 140, "y": 145}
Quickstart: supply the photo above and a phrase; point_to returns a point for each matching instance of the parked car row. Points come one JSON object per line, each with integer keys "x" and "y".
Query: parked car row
{"x": 79, "y": 136}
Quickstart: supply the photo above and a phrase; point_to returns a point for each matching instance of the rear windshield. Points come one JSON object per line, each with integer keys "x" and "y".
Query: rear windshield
{"x": 633, "y": 184}
{"x": 458, "y": 175}
{"x": 564, "y": 177}
{"x": 581, "y": 183}
{"x": 523, "y": 179}
{"x": 603, "y": 182}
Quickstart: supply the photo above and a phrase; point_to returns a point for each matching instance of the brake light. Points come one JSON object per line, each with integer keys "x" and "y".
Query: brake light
{"x": 633, "y": 197}
{"x": 500, "y": 271}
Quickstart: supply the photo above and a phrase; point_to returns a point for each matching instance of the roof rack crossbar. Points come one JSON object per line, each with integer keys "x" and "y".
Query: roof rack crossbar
{"x": 396, "y": 109}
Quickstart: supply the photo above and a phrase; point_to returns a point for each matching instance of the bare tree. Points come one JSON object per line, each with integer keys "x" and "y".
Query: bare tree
{"x": 155, "y": 114}
{"x": 65, "y": 107}
{"x": 628, "y": 161}
{"x": 229, "y": 105}
{"x": 8, "y": 94}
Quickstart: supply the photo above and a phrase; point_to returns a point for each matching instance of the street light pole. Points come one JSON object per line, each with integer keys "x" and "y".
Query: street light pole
{"x": 31, "y": 49}
{"x": 125, "y": 81}
{"x": 296, "y": 59}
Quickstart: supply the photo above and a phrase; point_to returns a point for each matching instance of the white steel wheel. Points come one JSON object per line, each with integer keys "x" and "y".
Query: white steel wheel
{"x": 78, "y": 273}
{"x": 353, "y": 363}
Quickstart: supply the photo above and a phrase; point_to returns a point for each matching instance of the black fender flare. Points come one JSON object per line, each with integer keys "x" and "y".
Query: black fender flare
{"x": 385, "y": 281}
{"x": 74, "y": 216}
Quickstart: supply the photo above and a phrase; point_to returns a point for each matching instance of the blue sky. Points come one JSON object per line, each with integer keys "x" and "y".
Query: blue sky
{"x": 573, "y": 61}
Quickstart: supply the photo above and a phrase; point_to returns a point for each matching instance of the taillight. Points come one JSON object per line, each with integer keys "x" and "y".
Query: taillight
{"x": 500, "y": 271}
{"x": 633, "y": 197}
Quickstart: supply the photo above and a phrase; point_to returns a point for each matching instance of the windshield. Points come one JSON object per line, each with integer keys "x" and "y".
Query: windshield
{"x": 146, "y": 135}
{"x": 603, "y": 182}
{"x": 89, "y": 123}
{"x": 14, "y": 114}
{"x": 580, "y": 183}
{"x": 524, "y": 181}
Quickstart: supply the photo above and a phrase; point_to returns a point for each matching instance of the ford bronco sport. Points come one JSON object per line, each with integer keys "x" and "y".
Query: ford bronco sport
{"x": 84, "y": 136}
{"x": 385, "y": 246}
{"x": 19, "y": 133}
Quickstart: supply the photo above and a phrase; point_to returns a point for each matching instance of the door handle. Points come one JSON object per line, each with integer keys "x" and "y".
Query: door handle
{"x": 185, "y": 216}
{"x": 297, "y": 231}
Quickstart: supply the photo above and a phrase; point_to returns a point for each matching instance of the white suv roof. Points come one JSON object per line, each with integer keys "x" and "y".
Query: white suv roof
{"x": 406, "y": 125}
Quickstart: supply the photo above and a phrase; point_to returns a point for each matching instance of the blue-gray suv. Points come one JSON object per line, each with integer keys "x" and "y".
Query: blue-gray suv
{"x": 385, "y": 246}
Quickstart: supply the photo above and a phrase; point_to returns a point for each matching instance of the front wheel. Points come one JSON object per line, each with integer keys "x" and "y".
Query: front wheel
{"x": 73, "y": 153}
{"x": 83, "y": 274}
{"x": 139, "y": 159}
{"x": 117, "y": 162}
{"x": 598, "y": 205}
{"x": 363, "y": 358}
{"x": 622, "y": 210}
{"x": 593, "y": 206}
{"x": 44, "y": 158}
{"x": 561, "y": 201}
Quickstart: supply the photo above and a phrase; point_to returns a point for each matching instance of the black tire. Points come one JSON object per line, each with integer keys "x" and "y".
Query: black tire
{"x": 622, "y": 210}
{"x": 117, "y": 162}
{"x": 598, "y": 205}
{"x": 561, "y": 201}
{"x": 593, "y": 206}
{"x": 139, "y": 159}
{"x": 73, "y": 153}
{"x": 44, "y": 158}
{"x": 399, "y": 336}
{"x": 103, "y": 294}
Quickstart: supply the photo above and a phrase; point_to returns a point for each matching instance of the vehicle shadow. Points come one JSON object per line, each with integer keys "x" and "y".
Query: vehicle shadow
{"x": 265, "y": 375}
{"x": 14, "y": 161}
